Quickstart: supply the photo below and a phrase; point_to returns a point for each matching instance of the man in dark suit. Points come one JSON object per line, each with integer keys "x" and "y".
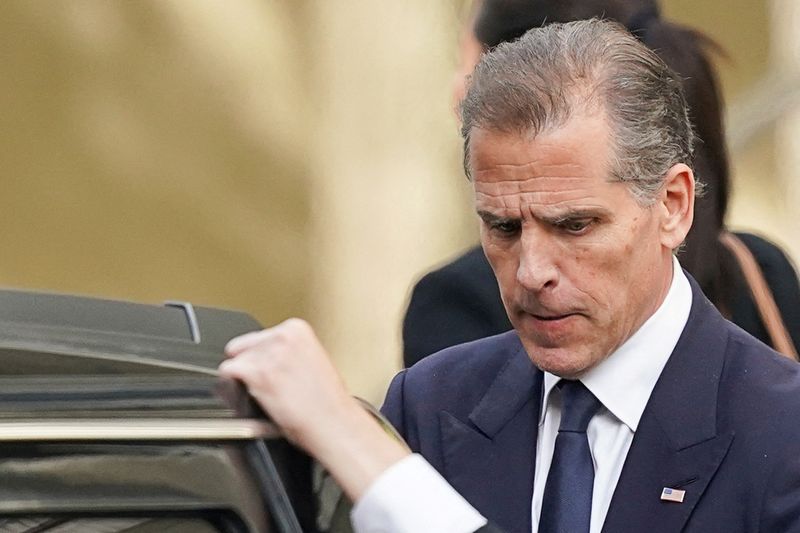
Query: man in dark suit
{"x": 579, "y": 148}
{"x": 622, "y": 400}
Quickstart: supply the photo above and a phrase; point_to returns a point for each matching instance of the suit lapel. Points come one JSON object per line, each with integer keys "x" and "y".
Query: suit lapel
{"x": 490, "y": 458}
{"x": 677, "y": 444}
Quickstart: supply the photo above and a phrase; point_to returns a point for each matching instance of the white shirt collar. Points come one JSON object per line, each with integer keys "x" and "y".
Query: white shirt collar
{"x": 624, "y": 381}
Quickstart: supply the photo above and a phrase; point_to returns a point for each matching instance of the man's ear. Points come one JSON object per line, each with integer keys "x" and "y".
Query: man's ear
{"x": 677, "y": 205}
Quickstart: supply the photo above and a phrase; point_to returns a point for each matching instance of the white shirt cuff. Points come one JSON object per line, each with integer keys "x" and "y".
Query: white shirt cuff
{"x": 411, "y": 497}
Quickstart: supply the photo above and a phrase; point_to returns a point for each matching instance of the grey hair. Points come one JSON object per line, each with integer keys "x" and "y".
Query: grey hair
{"x": 537, "y": 83}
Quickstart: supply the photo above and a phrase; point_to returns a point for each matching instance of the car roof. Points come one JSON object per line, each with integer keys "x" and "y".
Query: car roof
{"x": 65, "y": 355}
{"x": 93, "y": 334}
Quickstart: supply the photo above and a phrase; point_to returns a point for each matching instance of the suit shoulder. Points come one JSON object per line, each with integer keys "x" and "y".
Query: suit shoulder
{"x": 748, "y": 352}
{"x": 473, "y": 355}
{"x": 469, "y": 366}
{"x": 762, "y": 385}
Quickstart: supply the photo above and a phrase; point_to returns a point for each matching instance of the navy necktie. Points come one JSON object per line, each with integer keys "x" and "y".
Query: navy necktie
{"x": 567, "y": 499}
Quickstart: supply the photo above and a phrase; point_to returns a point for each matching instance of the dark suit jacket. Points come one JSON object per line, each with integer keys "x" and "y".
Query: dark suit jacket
{"x": 721, "y": 424}
{"x": 460, "y": 302}
{"x": 457, "y": 303}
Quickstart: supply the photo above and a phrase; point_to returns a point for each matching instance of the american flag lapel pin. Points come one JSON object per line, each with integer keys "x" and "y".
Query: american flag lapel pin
{"x": 672, "y": 495}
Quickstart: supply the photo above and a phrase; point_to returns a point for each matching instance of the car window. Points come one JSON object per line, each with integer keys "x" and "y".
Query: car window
{"x": 162, "y": 482}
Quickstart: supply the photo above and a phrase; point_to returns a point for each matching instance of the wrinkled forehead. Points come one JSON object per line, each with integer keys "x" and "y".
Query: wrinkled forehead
{"x": 566, "y": 167}
{"x": 584, "y": 142}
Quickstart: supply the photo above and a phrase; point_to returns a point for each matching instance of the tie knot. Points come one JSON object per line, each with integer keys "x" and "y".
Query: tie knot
{"x": 579, "y": 406}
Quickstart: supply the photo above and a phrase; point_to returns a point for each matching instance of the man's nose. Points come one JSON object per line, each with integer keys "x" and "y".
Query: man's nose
{"x": 537, "y": 262}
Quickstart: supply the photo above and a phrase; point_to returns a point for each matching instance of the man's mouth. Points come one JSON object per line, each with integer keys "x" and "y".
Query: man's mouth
{"x": 551, "y": 317}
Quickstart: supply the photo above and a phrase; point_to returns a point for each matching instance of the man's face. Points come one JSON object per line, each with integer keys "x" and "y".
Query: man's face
{"x": 580, "y": 264}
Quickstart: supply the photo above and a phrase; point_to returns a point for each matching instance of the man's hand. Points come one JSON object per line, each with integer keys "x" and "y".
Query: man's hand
{"x": 289, "y": 373}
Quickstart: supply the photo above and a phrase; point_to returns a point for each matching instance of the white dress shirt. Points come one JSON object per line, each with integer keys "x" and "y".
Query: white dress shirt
{"x": 623, "y": 383}
{"x": 411, "y": 497}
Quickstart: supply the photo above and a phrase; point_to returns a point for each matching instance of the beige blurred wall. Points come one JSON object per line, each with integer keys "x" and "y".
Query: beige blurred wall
{"x": 154, "y": 150}
{"x": 389, "y": 198}
{"x": 284, "y": 157}
{"x": 280, "y": 157}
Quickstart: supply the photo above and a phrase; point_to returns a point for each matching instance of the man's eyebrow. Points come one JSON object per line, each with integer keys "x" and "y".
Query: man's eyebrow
{"x": 576, "y": 214}
{"x": 489, "y": 218}
{"x": 555, "y": 219}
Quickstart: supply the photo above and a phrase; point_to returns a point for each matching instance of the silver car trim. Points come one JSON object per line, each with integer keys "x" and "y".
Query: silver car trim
{"x": 103, "y": 429}
{"x": 191, "y": 316}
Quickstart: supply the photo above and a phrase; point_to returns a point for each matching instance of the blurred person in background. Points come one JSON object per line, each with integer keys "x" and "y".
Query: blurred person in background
{"x": 461, "y": 302}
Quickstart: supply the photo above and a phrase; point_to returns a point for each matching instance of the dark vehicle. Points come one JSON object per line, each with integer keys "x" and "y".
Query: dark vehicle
{"x": 113, "y": 418}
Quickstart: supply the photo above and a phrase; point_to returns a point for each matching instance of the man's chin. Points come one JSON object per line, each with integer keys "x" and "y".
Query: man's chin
{"x": 565, "y": 362}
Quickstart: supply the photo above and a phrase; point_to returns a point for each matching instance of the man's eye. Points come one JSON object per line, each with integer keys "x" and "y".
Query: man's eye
{"x": 576, "y": 226}
{"x": 505, "y": 227}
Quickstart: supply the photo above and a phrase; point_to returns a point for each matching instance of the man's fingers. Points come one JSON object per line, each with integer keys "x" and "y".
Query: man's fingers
{"x": 293, "y": 327}
{"x": 233, "y": 368}
{"x": 242, "y": 343}
{"x": 248, "y": 367}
